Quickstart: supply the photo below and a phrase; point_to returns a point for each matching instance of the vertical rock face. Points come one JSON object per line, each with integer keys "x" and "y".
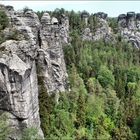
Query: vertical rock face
{"x": 51, "y": 57}
{"x": 64, "y": 29}
{"x": 138, "y": 20}
{"x": 131, "y": 20}
{"x": 129, "y": 26}
{"x": 85, "y": 17}
{"x": 18, "y": 80}
{"x": 33, "y": 41}
{"x": 122, "y": 21}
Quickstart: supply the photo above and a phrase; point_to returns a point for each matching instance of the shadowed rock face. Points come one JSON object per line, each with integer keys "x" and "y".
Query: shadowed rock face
{"x": 131, "y": 20}
{"x": 138, "y": 20}
{"x": 127, "y": 21}
{"x": 129, "y": 26}
{"x": 138, "y": 16}
{"x": 122, "y": 20}
{"x": 39, "y": 43}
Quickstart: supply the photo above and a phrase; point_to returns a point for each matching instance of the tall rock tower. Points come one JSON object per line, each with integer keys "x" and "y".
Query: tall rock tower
{"x": 30, "y": 43}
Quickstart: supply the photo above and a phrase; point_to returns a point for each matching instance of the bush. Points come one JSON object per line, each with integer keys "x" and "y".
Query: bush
{"x": 4, "y": 128}
{"x": 30, "y": 134}
{"x": 3, "y": 20}
{"x": 106, "y": 77}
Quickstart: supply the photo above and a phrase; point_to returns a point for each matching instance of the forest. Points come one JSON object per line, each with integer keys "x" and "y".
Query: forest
{"x": 104, "y": 98}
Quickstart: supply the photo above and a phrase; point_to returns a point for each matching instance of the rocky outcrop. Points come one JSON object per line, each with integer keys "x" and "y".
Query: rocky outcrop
{"x": 103, "y": 31}
{"x": 129, "y": 27}
{"x": 18, "y": 80}
{"x": 50, "y": 56}
{"x": 34, "y": 43}
{"x": 64, "y": 30}
{"x": 138, "y": 20}
{"x": 85, "y": 16}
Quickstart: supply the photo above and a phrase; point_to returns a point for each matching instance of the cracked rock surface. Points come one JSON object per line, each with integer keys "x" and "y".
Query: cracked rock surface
{"x": 38, "y": 42}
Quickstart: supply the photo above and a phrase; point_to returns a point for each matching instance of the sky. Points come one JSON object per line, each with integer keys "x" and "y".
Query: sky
{"x": 112, "y": 8}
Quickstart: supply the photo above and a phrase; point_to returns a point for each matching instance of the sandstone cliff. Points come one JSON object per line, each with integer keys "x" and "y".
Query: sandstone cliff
{"x": 34, "y": 42}
{"x": 129, "y": 27}
{"x": 103, "y": 31}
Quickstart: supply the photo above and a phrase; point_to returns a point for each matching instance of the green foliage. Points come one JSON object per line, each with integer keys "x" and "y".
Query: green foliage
{"x": 2, "y": 38}
{"x": 4, "y": 127}
{"x": 46, "y": 103}
{"x": 132, "y": 87}
{"x": 30, "y": 134}
{"x": 13, "y": 34}
{"x": 113, "y": 24}
{"x": 104, "y": 101}
{"x": 105, "y": 77}
{"x": 40, "y": 14}
{"x": 133, "y": 74}
{"x": 3, "y": 20}
{"x": 136, "y": 127}
{"x": 25, "y": 9}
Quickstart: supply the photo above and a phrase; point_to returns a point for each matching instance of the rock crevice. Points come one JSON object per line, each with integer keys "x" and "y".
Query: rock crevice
{"x": 40, "y": 42}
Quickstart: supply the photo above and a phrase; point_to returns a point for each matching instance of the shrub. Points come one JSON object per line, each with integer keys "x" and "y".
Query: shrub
{"x": 106, "y": 77}
{"x": 4, "y": 128}
{"x": 3, "y": 20}
{"x": 30, "y": 134}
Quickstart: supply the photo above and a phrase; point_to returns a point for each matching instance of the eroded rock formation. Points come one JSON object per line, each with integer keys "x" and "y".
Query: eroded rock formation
{"x": 103, "y": 31}
{"x": 129, "y": 27}
{"x": 50, "y": 56}
{"x": 34, "y": 42}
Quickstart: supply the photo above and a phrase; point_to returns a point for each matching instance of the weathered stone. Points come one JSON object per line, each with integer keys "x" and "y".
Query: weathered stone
{"x": 37, "y": 43}
{"x": 101, "y": 15}
{"x": 64, "y": 30}
{"x": 50, "y": 58}
{"x": 87, "y": 35}
{"x": 54, "y": 21}
{"x": 138, "y": 20}
{"x": 85, "y": 16}
{"x": 138, "y": 16}
{"x": 102, "y": 31}
{"x": 122, "y": 16}
{"x": 130, "y": 15}
{"x": 131, "y": 20}
{"x": 18, "y": 77}
{"x": 129, "y": 28}
{"x": 122, "y": 21}
{"x": 46, "y": 19}
{"x": 9, "y": 8}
